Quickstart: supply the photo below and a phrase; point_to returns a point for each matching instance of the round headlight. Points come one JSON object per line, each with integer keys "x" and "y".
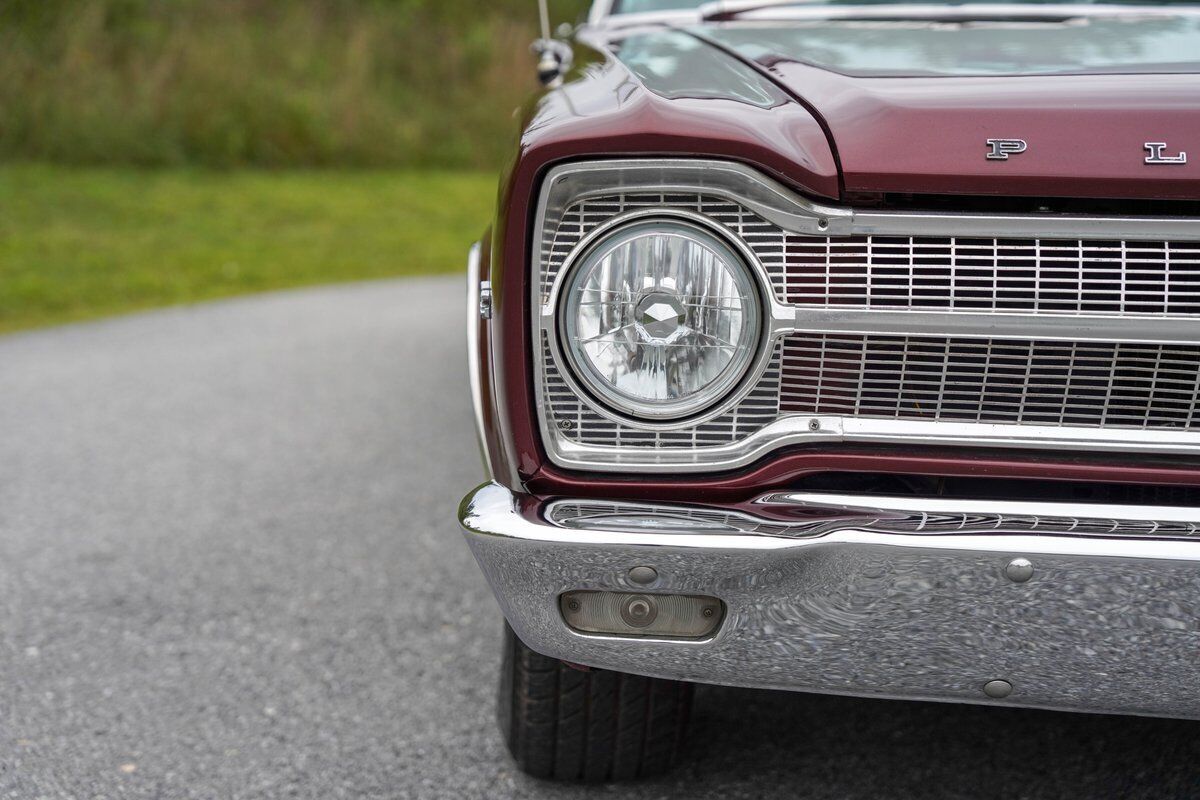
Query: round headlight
{"x": 660, "y": 318}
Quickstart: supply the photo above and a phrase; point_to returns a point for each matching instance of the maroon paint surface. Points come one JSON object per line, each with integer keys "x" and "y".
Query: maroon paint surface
{"x": 1085, "y": 133}
{"x": 603, "y": 111}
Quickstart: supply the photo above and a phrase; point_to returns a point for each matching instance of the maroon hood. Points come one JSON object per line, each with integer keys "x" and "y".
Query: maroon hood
{"x": 1086, "y": 133}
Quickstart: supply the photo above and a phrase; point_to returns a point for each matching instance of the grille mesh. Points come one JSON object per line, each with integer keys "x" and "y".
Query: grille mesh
{"x": 973, "y": 380}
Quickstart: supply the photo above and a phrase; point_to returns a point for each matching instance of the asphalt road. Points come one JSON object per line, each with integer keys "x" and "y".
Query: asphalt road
{"x": 229, "y": 568}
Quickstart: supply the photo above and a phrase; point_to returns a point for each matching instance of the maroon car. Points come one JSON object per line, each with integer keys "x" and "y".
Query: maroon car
{"x": 842, "y": 347}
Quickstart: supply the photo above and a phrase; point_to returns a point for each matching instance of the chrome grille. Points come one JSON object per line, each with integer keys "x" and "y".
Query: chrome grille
{"x": 987, "y": 381}
{"x": 1062, "y": 333}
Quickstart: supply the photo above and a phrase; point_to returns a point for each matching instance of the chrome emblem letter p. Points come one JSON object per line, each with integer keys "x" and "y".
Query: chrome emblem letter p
{"x": 1155, "y": 151}
{"x": 1001, "y": 149}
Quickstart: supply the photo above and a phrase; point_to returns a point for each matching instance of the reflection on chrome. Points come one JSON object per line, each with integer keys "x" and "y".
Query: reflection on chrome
{"x": 1103, "y": 623}
{"x": 796, "y": 515}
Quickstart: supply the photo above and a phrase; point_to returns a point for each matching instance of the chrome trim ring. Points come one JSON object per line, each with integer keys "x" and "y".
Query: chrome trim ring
{"x": 707, "y": 398}
{"x": 769, "y": 318}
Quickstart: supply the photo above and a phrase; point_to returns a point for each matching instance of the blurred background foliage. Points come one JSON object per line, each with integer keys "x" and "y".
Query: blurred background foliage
{"x": 168, "y": 151}
{"x": 272, "y": 83}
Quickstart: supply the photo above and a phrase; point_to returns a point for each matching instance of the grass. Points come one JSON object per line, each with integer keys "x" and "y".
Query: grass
{"x": 82, "y": 243}
{"x": 265, "y": 83}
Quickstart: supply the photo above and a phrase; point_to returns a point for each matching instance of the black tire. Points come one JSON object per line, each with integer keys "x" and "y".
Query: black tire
{"x": 567, "y": 723}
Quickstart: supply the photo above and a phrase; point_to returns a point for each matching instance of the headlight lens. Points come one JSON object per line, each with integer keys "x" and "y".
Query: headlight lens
{"x": 660, "y": 318}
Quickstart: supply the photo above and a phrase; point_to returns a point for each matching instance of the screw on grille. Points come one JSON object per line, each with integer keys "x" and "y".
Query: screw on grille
{"x": 814, "y": 425}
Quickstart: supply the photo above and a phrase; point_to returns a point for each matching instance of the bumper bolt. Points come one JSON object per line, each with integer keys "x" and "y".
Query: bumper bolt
{"x": 814, "y": 425}
{"x": 997, "y": 689}
{"x": 643, "y": 576}
{"x": 1019, "y": 570}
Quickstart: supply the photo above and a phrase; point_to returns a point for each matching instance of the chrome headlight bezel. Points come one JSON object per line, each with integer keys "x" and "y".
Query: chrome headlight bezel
{"x": 624, "y": 231}
{"x": 702, "y": 407}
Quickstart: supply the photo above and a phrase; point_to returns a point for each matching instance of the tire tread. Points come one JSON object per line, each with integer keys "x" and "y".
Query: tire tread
{"x": 571, "y": 724}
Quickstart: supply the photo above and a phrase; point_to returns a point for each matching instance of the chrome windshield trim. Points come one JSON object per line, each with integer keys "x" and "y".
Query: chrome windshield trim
{"x": 788, "y": 10}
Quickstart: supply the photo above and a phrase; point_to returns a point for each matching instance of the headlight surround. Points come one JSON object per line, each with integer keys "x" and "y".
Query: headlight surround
{"x": 660, "y": 318}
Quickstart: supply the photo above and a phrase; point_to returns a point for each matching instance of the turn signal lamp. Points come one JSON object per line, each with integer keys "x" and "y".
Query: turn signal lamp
{"x": 663, "y": 616}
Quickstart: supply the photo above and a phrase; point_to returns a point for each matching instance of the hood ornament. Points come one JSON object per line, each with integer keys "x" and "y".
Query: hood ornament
{"x": 1155, "y": 154}
{"x": 1001, "y": 149}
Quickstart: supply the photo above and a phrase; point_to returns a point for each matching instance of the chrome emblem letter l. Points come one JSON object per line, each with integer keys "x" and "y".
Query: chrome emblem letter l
{"x": 1155, "y": 150}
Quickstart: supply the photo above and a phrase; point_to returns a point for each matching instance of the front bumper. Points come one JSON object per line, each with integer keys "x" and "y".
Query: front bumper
{"x": 899, "y": 601}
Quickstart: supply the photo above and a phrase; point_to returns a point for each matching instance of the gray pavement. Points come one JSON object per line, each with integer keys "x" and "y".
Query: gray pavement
{"x": 229, "y": 569}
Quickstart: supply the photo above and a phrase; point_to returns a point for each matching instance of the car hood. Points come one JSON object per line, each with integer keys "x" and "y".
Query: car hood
{"x": 911, "y": 104}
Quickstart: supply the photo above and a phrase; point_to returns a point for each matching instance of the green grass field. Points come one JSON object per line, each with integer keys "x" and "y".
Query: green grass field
{"x": 81, "y": 243}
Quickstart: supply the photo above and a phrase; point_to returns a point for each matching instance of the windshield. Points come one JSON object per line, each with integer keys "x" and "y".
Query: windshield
{"x": 637, "y": 6}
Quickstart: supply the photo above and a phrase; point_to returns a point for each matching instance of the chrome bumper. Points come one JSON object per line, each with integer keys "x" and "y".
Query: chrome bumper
{"x": 885, "y": 601}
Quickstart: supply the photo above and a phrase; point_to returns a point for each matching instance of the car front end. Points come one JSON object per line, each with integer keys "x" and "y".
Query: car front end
{"x": 848, "y": 349}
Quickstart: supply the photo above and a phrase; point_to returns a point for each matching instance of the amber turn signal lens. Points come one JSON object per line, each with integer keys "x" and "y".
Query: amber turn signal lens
{"x": 663, "y": 616}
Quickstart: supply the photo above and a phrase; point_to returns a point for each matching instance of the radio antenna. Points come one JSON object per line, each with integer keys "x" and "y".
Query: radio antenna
{"x": 545, "y": 13}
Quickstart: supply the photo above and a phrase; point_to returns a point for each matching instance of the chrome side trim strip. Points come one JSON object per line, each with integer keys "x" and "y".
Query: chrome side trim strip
{"x": 491, "y": 510}
{"x": 474, "y": 364}
{"x": 804, "y": 514}
{"x": 933, "y": 506}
